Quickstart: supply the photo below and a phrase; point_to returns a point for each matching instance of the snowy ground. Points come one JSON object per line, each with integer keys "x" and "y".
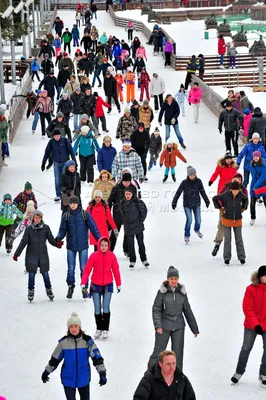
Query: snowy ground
{"x": 29, "y": 332}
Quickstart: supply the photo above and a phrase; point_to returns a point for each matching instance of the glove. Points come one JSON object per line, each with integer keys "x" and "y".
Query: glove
{"x": 195, "y": 100}
{"x": 15, "y": 258}
{"x": 118, "y": 289}
{"x": 141, "y": 180}
{"x": 189, "y": 104}
{"x": 43, "y": 167}
{"x": 59, "y": 244}
{"x": 210, "y": 183}
{"x": 173, "y": 121}
{"x": 160, "y": 123}
{"x": 173, "y": 207}
{"x": 161, "y": 165}
{"x": 258, "y": 329}
{"x": 45, "y": 377}
{"x": 103, "y": 379}
{"x": 220, "y": 130}
{"x": 116, "y": 233}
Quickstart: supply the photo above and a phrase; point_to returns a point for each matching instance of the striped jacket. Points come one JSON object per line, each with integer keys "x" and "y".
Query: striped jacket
{"x": 43, "y": 105}
{"x": 127, "y": 160}
{"x": 76, "y": 351}
{"x": 22, "y": 199}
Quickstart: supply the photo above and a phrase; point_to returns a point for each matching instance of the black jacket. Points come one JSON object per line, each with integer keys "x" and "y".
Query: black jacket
{"x": 67, "y": 182}
{"x": 135, "y": 113}
{"x": 88, "y": 105}
{"x": 63, "y": 77}
{"x": 232, "y": 205}
{"x": 46, "y": 66}
{"x": 153, "y": 387}
{"x": 85, "y": 64}
{"x": 140, "y": 141}
{"x": 47, "y": 50}
{"x": 86, "y": 41}
{"x": 76, "y": 98}
{"x": 192, "y": 190}
{"x": 257, "y": 124}
{"x": 139, "y": 64}
{"x": 36, "y": 254}
{"x": 134, "y": 213}
{"x": 229, "y": 119}
{"x": 169, "y": 111}
{"x": 65, "y": 106}
{"x": 50, "y": 84}
{"x": 109, "y": 86}
{"x": 155, "y": 144}
{"x": 64, "y": 128}
{"x": 114, "y": 200}
{"x": 126, "y": 47}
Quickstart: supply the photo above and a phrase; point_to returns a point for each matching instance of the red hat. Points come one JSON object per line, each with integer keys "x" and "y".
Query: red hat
{"x": 65, "y": 54}
{"x": 105, "y": 59}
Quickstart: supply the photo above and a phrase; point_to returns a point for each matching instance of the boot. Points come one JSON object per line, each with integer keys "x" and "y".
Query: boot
{"x": 99, "y": 322}
{"x": 70, "y": 291}
{"x": 165, "y": 178}
{"x": 50, "y": 294}
{"x": 106, "y": 323}
{"x": 30, "y": 294}
{"x": 173, "y": 177}
{"x": 216, "y": 249}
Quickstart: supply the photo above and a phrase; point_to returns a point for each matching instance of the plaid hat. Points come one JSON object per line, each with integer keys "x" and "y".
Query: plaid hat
{"x": 74, "y": 320}
{"x": 28, "y": 186}
{"x": 257, "y": 153}
{"x": 73, "y": 200}
{"x": 261, "y": 271}
{"x": 172, "y": 272}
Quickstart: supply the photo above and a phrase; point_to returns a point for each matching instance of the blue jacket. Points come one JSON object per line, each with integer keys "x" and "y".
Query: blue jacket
{"x": 247, "y": 153}
{"x": 61, "y": 149}
{"x": 75, "y": 228}
{"x": 86, "y": 144}
{"x": 57, "y": 43}
{"x": 258, "y": 173}
{"x": 75, "y": 32}
{"x": 35, "y": 66}
{"x": 105, "y": 158}
{"x": 117, "y": 50}
{"x": 181, "y": 97}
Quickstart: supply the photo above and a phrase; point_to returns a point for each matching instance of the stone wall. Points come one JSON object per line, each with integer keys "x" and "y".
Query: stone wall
{"x": 209, "y": 97}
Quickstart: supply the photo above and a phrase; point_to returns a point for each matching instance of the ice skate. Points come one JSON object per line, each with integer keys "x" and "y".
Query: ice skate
{"x": 97, "y": 334}
{"x": 84, "y": 291}
{"x": 57, "y": 199}
{"x": 132, "y": 265}
{"x": 200, "y": 235}
{"x": 183, "y": 146}
{"x": 227, "y": 262}
{"x": 149, "y": 168}
{"x": 33, "y": 132}
{"x": 50, "y": 294}
{"x": 5, "y": 164}
{"x": 30, "y": 294}
{"x": 252, "y": 222}
{"x": 105, "y": 335}
{"x": 262, "y": 379}
{"x": 154, "y": 163}
{"x": 186, "y": 239}
{"x": 145, "y": 179}
{"x": 242, "y": 261}
{"x": 235, "y": 378}
{"x": 216, "y": 249}
{"x": 173, "y": 177}
{"x": 145, "y": 263}
{"x": 70, "y": 291}
{"x": 126, "y": 255}
{"x": 165, "y": 178}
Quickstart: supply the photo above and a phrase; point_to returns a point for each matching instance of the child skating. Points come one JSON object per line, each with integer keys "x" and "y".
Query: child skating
{"x": 155, "y": 148}
{"x": 168, "y": 158}
{"x": 181, "y": 97}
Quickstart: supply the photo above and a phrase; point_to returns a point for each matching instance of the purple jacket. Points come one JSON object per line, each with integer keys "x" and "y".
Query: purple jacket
{"x": 168, "y": 48}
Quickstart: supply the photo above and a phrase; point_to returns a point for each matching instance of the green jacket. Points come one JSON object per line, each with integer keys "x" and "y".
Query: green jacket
{"x": 7, "y": 212}
{"x": 3, "y": 130}
{"x": 66, "y": 37}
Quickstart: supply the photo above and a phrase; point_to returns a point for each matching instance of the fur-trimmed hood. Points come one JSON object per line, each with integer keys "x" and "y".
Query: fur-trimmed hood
{"x": 255, "y": 279}
{"x": 175, "y": 146}
{"x": 165, "y": 287}
{"x": 221, "y": 163}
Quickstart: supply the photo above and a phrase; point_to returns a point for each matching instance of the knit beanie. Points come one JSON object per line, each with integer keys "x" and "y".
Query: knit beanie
{"x": 28, "y": 186}
{"x": 234, "y": 185}
{"x": 84, "y": 130}
{"x": 247, "y": 111}
{"x": 172, "y": 272}
{"x": 84, "y": 116}
{"x": 98, "y": 193}
{"x": 56, "y": 131}
{"x": 73, "y": 200}
{"x": 69, "y": 163}
{"x": 228, "y": 155}
{"x": 191, "y": 171}
{"x": 126, "y": 110}
{"x": 107, "y": 139}
{"x": 74, "y": 320}
{"x": 228, "y": 103}
{"x": 261, "y": 271}
{"x": 129, "y": 189}
{"x": 127, "y": 142}
{"x": 255, "y": 135}
{"x": 30, "y": 206}
{"x": 95, "y": 94}
{"x": 257, "y": 153}
{"x": 7, "y": 196}
{"x": 135, "y": 103}
{"x": 146, "y": 102}
{"x": 257, "y": 109}
{"x": 37, "y": 212}
{"x": 141, "y": 125}
{"x": 59, "y": 114}
{"x": 126, "y": 177}
{"x": 157, "y": 130}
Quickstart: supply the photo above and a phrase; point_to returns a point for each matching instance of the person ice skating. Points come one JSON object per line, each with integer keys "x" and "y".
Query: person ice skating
{"x": 76, "y": 97}
{"x": 46, "y": 65}
{"x": 134, "y": 110}
{"x": 127, "y": 158}
{"x": 34, "y": 238}
{"x": 254, "y": 307}
{"x": 110, "y": 91}
{"x": 168, "y": 51}
{"x": 88, "y": 105}
{"x": 247, "y": 118}
{"x": 75, "y": 349}
{"x": 101, "y": 214}
{"x": 66, "y": 39}
{"x": 169, "y": 308}
{"x": 126, "y": 125}
{"x": 71, "y": 85}
{"x": 144, "y": 84}
{"x": 146, "y": 115}
{"x": 181, "y": 97}
{"x": 192, "y": 188}
{"x": 50, "y": 84}
{"x": 234, "y": 98}
{"x": 155, "y": 148}
{"x": 232, "y": 56}
{"x": 65, "y": 106}
{"x": 130, "y": 28}
{"x": 62, "y": 79}
{"x": 104, "y": 183}
{"x": 134, "y": 213}
{"x": 170, "y": 110}
{"x": 226, "y": 169}
{"x": 58, "y": 26}
{"x": 232, "y": 204}
{"x": 57, "y": 45}
{"x": 66, "y": 60}
{"x": 4, "y": 128}
{"x": 75, "y": 225}
{"x": 104, "y": 267}
{"x": 69, "y": 184}
{"x": 201, "y": 61}
{"x": 75, "y": 35}
{"x": 140, "y": 141}
{"x": 22, "y": 224}
{"x": 157, "y": 89}
{"x": 35, "y": 68}
{"x": 221, "y": 50}
{"x": 258, "y": 124}
{"x": 192, "y": 67}
{"x": 258, "y": 173}
{"x": 60, "y": 124}
{"x": 99, "y": 112}
{"x": 165, "y": 379}
{"x": 168, "y": 158}
{"x": 45, "y": 107}
{"x": 106, "y": 155}
{"x": 119, "y": 85}
{"x": 7, "y": 212}
{"x": 22, "y": 199}
{"x": 129, "y": 80}
{"x": 230, "y": 117}
{"x": 194, "y": 97}
{"x": 245, "y": 102}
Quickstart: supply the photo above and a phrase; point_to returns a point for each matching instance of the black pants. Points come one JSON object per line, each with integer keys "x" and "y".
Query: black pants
{"x": 43, "y": 117}
{"x": 35, "y": 73}
{"x": 86, "y": 168}
{"x": 167, "y": 58}
{"x": 107, "y": 7}
{"x": 160, "y": 96}
{"x": 84, "y": 392}
{"x": 67, "y": 45}
{"x": 109, "y": 101}
{"x": 131, "y": 247}
{"x": 103, "y": 121}
{"x": 130, "y": 34}
{"x": 231, "y": 136}
{"x": 253, "y": 202}
{"x": 188, "y": 80}
{"x": 143, "y": 157}
{"x": 201, "y": 73}
{"x": 8, "y": 230}
{"x": 94, "y": 45}
{"x": 113, "y": 238}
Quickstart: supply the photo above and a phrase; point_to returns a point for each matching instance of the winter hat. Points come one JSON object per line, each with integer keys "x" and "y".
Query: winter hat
{"x": 108, "y": 73}
{"x": 95, "y": 94}
{"x": 56, "y": 131}
{"x": 234, "y": 185}
{"x": 73, "y": 200}
{"x": 118, "y": 72}
{"x": 37, "y": 212}
{"x": 69, "y": 163}
{"x": 38, "y": 91}
{"x": 257, "y": 153}
{"x": 261, "y": 271}
{"x": 247, "y": 111}
{"x": 7, "y": 196}
{"x": 74, "y": 320}
{"x": 169, "y": 142}
{"x": 191, "y": 171}
{"x": 172, "y": 272}
{"x": 157, "y": 130}
{"x": 59, "y": 114}
{"x": 141, "y": 125}
{"x": 77, "y": 89}
{"x": 126, "y": 177}
{"x": 126, "y": 110}
{"x": 28, "y": 186}
{"x": 228, "y": 103}
{"x": 130, "y": 69}
{"x": 84, "y": 116}
{"x": 65, "y": 95}
{"x": 30, "y": 206}
{"x": 127, "y": 141}
{"x": 2, "y": 112}
{"x": 51, "y": 72}
{"x": 255, "y": 135}
{"x": 228, "y": 155}
{"x": 146, "y": 102}
{"x": 135, "y": 103}
{"x": 257, "y": 109}
{"x": 84, "y": 130}
{"x": 98, "y": 193}
{"x": 129, "y": 189}
{"x": 105, "y": 59}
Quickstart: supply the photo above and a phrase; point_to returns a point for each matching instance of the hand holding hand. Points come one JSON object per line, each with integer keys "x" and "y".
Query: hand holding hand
{"x": 59, "y": 244}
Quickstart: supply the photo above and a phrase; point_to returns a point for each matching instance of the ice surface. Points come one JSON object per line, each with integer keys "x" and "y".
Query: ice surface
{"x": 29, "y": 332}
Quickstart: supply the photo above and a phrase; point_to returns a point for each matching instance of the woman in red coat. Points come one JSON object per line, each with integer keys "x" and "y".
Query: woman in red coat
{"x": 101, "y": 214}
{"x": 99, "y": 112}
{"x": 254, "y": 308}
{"x": 221, "y": 50}
{"x": 226, "y": 169}
{"x": 105, "y": 267}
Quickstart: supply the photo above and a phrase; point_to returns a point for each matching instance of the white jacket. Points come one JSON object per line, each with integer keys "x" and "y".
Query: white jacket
{"x": 157, "y": 86}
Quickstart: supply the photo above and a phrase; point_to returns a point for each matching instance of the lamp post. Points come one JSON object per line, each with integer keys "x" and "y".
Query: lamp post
{"x": 27, "y": 5}
{"x": 38, "y": 20}
{"x": 12, "y": 45}
{"x": 2, "y": 82}
{"x": 33, "y": 23}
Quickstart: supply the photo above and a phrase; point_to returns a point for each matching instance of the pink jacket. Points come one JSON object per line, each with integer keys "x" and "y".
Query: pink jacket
{"x": 247, "y": 119}
{"x": 105, "y": 268}
{"x": 142, "y": 51}
{"x": 194, "y": 95}
{"x": 43, "y": 105}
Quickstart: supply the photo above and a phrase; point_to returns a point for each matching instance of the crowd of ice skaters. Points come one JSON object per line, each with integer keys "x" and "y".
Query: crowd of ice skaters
{"x": 120, "y": 67}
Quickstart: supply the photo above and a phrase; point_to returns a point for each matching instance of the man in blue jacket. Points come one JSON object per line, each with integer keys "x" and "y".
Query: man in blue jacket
{"x": 75, "y": 225}
{"x": 61, "y": 149}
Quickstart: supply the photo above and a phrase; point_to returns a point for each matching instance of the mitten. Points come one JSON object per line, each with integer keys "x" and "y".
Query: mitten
{"x": 258, "y": 329}
{"x": 160, "y": 123}
{"x": 116, "y": 233}
{"x": 43, "y": 167}
{"x": 59, "y": 244}
{"x": 173, "y": 121}
{"x": 103, "y": 379}
{"x": 118, "y": 289}
{"x": 15, "y": 258}
{"x": 210, "y": 183}
{"x": 45, "y": 376}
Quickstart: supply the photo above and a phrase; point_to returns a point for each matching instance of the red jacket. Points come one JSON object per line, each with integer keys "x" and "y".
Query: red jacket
{"x": 254, "y": 304}
{"x": 226, "y": 173}
{"x": 105, "y": 267}
{"x": 221, "y": 46}
{"x": 101, "y": 215}
{"x": 99, "y": 107}
{"x": 144, "y": 78}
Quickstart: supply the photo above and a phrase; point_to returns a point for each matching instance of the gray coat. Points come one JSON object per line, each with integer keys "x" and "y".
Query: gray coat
{"x": 169, "y": 307}
{"x": 36, "y": 254}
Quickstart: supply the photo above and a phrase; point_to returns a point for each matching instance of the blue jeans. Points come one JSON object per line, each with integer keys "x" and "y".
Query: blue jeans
{"x": 188, "y": 212}
{"x": 59, "y": 90}
{"x": 75, "y": 42}
{"x": 221, "y": 59}
{"x": 96, "y": 76}
{"x": 246, "y": 177}
{"x": 71, "y": 264}
{"x": 46, "y": 280}
{"x": 177, "y": 132}
{"x": 182, "y": 107}
{"x": 76, "y": 121}
{"x": 35, "y": 120}
{"x": 58, "y": 171}
{"x": 101, "y": 301}
{"x": 166, "y": 172}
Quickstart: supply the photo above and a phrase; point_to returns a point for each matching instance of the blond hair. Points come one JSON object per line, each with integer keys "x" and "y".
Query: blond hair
{"x": 166, "y": 353}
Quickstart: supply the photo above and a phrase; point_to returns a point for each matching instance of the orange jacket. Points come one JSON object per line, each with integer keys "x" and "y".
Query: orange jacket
{"x": 169, "y": 157}
{"x": 119, "y": 81}
{"x": 130, "y": 78}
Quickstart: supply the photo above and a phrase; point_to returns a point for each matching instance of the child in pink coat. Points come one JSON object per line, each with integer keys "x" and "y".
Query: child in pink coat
{"x": 141, "y": 50}
{"x": 194, "y": 97}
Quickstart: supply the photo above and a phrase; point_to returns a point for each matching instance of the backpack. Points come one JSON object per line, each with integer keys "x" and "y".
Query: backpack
{"x": 84, "y": 215}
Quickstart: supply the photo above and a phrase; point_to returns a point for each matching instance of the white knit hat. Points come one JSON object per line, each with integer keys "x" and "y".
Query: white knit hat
{"x": 30, "y": 206}
{"x": 98, "y": 193}
{"x": 255, "y": 135}
{"x": 74, "y": 320}
{"x": 85, "y": 129}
